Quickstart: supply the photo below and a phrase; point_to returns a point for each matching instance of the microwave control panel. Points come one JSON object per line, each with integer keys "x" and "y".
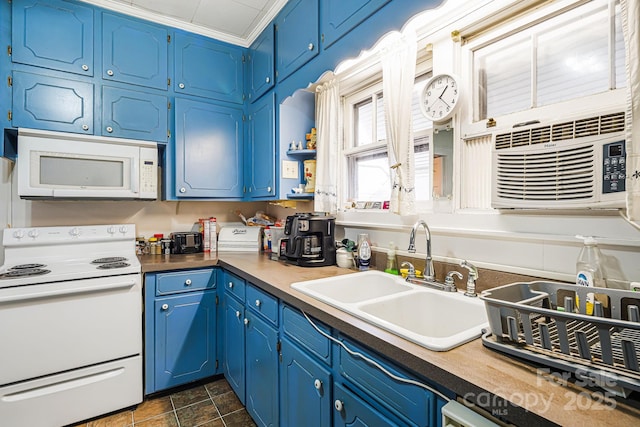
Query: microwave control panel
{"x": 614, "y": 167}
{"x": 148, "y": 177}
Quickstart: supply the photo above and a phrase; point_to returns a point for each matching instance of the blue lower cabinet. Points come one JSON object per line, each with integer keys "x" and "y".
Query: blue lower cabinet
{"x": 185, "y": 338}
{"x": 350, "y": 410}
{"x": 305, "y": 389}
{"x": 124, "y": 110}
{"x": 233, "y": 354}
{"x": 261, "y": 370}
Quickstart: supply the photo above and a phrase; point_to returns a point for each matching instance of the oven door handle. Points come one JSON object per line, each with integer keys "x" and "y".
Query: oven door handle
{"x": 34, "y": 292}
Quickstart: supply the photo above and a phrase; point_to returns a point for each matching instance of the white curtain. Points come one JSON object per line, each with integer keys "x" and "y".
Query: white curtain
{"x": 398, "y": 75}
{"x": 328, "y": 122}
{"x": 631, "y": 30}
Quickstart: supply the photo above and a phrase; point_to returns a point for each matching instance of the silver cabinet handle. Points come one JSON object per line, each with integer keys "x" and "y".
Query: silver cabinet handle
{"x": 165, "y": 306}
{"x": 187, "y": 282}
{"x": 269, "y": 189}
{"x": 246, "y": 321}
{"x": 110, "y": 72}
{"x": 339, "y": 405}
{"x": 258, "y": 303}
{"x": 181, "y": 85}
{"x": 317, "y": 384}
{"x": 85, "y": 127}
{"x": 238, "y": 314}
{"x": 267, "y": 80}
{"x": 311, "y": 46}
{"x": 109, "y": 129}
{"x": 85, "y": 67}
{"x": 183, "y": 190}
{"x": 230, "y": 285}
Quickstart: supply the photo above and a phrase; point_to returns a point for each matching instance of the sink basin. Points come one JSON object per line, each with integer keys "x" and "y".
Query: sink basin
{"x": 432, "y": 318}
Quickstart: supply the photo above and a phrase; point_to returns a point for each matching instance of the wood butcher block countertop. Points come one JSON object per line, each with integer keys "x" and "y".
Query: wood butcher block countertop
{"x": 501, "y": 384}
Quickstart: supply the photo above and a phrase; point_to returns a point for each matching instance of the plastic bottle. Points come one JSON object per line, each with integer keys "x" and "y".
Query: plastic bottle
{"x": 589, "y": 269}
{"x": 364, "y": 251}
{"x": 391, "y": 260}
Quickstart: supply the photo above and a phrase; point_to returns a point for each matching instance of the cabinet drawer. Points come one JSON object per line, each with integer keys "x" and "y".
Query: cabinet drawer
{"x": 300, "y": 331}
{"x": 402, "y": 399}
{"x": 233, "y": 285}
{"x": 185, "y": 281}
{"x": 262, "y": 303}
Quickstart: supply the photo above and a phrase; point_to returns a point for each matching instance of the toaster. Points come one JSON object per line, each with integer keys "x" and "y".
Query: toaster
{"x": 186, "y": 242}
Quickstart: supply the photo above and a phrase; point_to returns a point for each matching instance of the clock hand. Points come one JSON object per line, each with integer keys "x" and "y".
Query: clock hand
{"x": 442, "y": 100}
{"x": 445, "y": 89}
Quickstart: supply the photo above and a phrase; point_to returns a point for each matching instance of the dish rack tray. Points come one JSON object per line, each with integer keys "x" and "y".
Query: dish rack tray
{"x": 539, "y": 321}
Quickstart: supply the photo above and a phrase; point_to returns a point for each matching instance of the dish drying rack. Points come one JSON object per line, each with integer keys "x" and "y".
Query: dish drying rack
{"x": 539, "y": 321}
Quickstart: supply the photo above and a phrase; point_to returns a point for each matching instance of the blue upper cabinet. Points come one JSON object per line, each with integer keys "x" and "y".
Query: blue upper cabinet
{"x": 208, "y": 68}
{"x": 261, "y": 144}
{"x": 52, "y": 103}
{"x": 134, "y": 52}
{"x": 208, "y": 150}
{"x": 133, "y": 114}
{"x": 261, "y": 64}
{"x": 338, "y": 17}
{"x": 297, "y": 36}
{"x": 53, "y": 34}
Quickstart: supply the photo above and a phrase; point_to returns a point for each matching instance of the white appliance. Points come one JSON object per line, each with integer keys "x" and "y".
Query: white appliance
{"x": 576, "y": 164}
{"x": 71, "y": 316}
{"x": 238, "y": 238}
{"x": 66, "y": 165}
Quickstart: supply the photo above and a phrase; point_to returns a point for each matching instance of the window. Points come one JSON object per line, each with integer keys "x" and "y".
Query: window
{"x": 367, "y": 157}
{"x": 575, "y": 54}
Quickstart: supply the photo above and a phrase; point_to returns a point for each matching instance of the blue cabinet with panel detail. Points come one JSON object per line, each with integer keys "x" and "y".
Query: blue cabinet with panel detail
{"x": 208, "y": 150}
{"x": 260, "y": 159}
{"x": 338, "y": 17}
{"x": 297, "y": 36}
{"x": 51, "y": 103}
{"x": 180, "y": 328}
{"x": 261, "y": 64}
{"x": 208, "y": 68}
{"x": 53, "y": 34}
{"x": 123, "y": 111}
{"x": 134, "y": 52}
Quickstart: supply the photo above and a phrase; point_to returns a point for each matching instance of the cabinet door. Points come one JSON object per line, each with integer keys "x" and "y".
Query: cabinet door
{"x": 350, "y": 410}
{"x": 133, "y": 114}
{"x": 261, "y": 63}
{"x": 208, "y": 68}
{"x": 53, "y": 34}
{"x": 338, "y": 17}
{"x": 297, "y": 36}
{"x": 262, "y": 370}
{"x": 185, "y": 338}
{"x": 233, "y": 345}
{"x": 305, "y": 389}
{"x": 208, "y": 150}
{"x": 261, "y": 158}
{"x": 50, "y": 103}
{"x": 134, "y": 52}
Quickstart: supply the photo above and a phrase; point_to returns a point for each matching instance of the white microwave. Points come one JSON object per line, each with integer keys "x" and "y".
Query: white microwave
{"x": 74, "y": 166}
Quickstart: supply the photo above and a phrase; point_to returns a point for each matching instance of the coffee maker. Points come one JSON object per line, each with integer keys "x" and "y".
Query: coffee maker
{"x": 309, "y": 240}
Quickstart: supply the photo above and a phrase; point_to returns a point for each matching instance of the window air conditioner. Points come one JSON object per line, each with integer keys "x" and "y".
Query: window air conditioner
{"x": 579, "y": 164}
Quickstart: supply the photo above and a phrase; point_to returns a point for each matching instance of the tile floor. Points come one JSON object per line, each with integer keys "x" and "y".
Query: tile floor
{"x": 211, "y": 404}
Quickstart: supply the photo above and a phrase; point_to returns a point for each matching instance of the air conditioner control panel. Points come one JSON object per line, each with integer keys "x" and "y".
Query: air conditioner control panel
{"x": 614, "y": 167}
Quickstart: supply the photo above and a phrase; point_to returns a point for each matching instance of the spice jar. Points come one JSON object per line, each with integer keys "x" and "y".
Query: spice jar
{"x": 154, "y": 246}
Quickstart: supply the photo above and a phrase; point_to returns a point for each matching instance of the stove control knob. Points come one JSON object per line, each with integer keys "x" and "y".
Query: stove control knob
{"x": 111, "y": 229}
{"x": 74, "y": 232}
{"x": 33, "y": 233}
{"x": 18, "y": 234}
{"x": 124, "y": 229}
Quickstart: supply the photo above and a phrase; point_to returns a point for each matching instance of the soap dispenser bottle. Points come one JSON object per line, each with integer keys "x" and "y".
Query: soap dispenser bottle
{"x": 391, "y": 260}
{"x": 364, "y": 252}
{"x": 589, "y": 269}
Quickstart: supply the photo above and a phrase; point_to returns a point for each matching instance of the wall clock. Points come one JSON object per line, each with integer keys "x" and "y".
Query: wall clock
{"x": 440, "y": 97}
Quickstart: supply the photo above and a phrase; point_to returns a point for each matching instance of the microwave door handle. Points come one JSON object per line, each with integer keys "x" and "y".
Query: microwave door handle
{"x": 135, "y": 175}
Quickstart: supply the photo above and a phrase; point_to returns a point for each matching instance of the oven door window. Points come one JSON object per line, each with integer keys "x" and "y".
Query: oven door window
{"x": 83, "y": 172}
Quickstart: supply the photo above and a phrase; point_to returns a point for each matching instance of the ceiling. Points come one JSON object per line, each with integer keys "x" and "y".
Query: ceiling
{"x": 234, "y": 21}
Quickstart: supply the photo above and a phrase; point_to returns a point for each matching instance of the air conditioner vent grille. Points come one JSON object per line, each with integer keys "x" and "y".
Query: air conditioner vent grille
{"x": 564, "y": 174}
{"x": 591, "y": 126}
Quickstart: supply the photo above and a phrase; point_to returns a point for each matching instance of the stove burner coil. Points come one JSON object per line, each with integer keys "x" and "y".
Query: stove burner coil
{"x": 110, "y": 259}
{"x": 26, "y": 266}
{"x": 110, "y": 265}
{"x": 24, "y": 272}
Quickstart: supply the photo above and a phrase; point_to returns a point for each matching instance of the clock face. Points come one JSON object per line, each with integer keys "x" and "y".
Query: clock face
{"x": 440, "y": 97}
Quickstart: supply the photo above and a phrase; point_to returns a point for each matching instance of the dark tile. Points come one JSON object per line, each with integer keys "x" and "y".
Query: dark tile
{"x": 227, "y": 403}
{"x": 217, "y": 387}
{"x": 151, "y": 408}
{"x": 214, "y": 423}
{"x": 119, "y": 419}
{"x": 239, "y": 419}
{"x": 197, "y": 414}
{"x": 165, "y": 420}
{"x": 189, "y": 397}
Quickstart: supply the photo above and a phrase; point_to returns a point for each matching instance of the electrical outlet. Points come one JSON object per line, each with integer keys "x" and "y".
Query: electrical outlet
{"x": 290, "y": 169}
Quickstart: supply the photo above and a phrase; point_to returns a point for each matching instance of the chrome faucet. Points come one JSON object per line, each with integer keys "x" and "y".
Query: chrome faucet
{"x": 471, "y": 278}
{"x": 429, "y": 273}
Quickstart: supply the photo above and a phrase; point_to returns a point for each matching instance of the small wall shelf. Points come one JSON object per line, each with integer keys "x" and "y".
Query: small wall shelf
{"x": 300, "y": 196}
{"x": 303, "y": 154}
